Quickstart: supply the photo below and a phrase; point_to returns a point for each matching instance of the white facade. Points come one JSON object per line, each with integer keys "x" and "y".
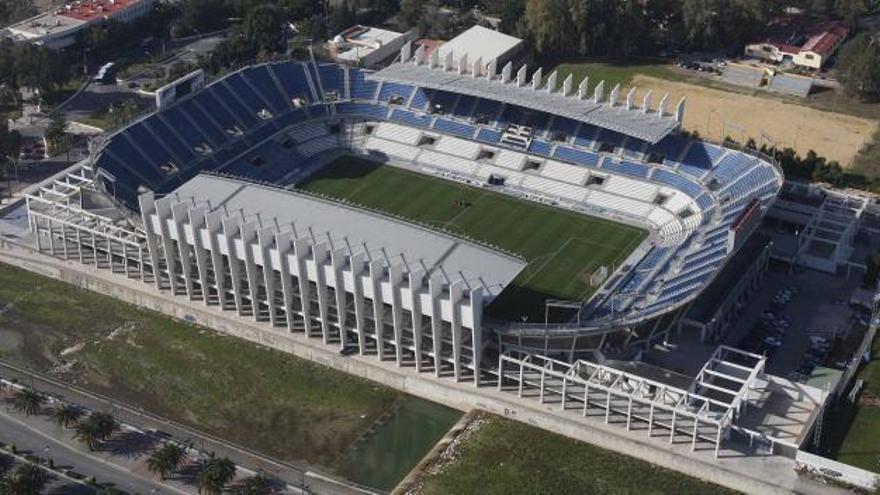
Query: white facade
{"x": 298, "y": 281}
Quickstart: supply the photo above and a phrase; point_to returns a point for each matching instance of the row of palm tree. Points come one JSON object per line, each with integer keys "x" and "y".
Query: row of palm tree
{"x": 92, "y": 430}
{"x": 96, "y": 428}
{"x": 28, "y": 479}
{"x": 166, "y": 460}
{"x": 215, "y": 474}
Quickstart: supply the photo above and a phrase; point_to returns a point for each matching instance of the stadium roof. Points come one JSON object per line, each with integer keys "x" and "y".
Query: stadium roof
{"x": 399, "y": 242}
{"x": 636, "y": 123}
{"x": 481, "y": 42}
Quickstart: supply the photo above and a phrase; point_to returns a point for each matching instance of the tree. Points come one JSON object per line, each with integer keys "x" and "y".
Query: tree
{"x": 99, "y": 426}
{"x": 264, "y": 28}
{"x": 216, "y": 473}
{"x": 166, "y": 460}
{"x": 28, "y": 401}
{"x": 258, "y": 484}
{"x": 858, "y": 67}
{"x": 87, "y": 433}
{"x": 409, "y": 14}
{"x": 66, "y": 416}
{"x": 56, "y": 131}
{"x": 203, "y": 16}
{"x": 28, "y": 479}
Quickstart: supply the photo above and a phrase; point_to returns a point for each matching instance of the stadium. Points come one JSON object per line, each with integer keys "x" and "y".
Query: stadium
{"x": 436, "y": 213}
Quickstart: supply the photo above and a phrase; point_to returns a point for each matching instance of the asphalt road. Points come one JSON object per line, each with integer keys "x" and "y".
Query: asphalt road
{"x": 33, "y": 441}
{"x": 293, "y": 475}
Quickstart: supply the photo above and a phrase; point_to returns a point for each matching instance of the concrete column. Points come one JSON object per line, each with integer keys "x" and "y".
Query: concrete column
{"x": 395, "y": 278}
{"x": 476, "y": 297}
{"x": 214, "y": 227}
{"x": 230, "y": 232}
{"x": 320, "y": 252}
{"x": 266, "y": 240}
{"x": 163, "y": 213}
{"x": 180, "y": 215}
{"x": 455, "y": 300}
{"x": 357, "y": 270}
{"x": 338, "y": 259}
{"x": 301, "y": 249}
{"x": 284, "y": 247}
{"x": 376, "y": 275}
{"x": 435, "y": 289}
{"x": 248, "y": 233}
{"x": 415, "y": 286}
{"x": 197, "y": 224}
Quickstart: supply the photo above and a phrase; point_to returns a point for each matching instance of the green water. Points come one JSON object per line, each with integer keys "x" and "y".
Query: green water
{"x": 385, "y": 457}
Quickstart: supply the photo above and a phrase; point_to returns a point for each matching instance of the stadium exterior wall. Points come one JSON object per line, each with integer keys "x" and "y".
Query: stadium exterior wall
{"x": 449, "y": 392}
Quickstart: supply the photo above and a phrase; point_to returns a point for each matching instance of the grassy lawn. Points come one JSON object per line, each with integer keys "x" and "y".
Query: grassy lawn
{"x": 505, "y": 456}
{"x": 562, "y": 248}
{"x": 613, "y": 71}
{"x": 267, "y": 400}
{"x": 854, "y": 431}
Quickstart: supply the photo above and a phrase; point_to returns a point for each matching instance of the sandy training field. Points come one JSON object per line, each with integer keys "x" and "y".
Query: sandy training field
{"x": 715, "y": 113}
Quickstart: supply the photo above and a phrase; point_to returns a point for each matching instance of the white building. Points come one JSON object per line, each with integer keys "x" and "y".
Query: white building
{"x": 485, "y": 45}
{"x": 366, "y": 46}
{"x": 295, "y": 260}
{"x": 59, "y": 28}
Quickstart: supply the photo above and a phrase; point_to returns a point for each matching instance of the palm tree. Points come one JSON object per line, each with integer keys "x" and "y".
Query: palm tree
{"x": 165, "y": 460}
{"x": 28, "y": 401}
{"x": 88, "y": 433}
{"x": 28, "y": 479}
{"x": 258, "y": 484}
{"x": 66, "y": 416}
{"x": 215, "y": 474}
{"x": 105, "y": 424}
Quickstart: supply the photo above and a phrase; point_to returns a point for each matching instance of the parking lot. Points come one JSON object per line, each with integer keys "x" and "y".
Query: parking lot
{"x": 800, "y": 321}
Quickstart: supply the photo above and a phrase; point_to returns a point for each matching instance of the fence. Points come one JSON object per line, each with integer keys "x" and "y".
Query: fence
{"x": 821, "y": 467}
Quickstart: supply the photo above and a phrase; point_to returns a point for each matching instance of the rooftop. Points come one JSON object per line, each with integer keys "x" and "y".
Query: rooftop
{"x": 795, "y": 33}
{"x": 359, "y": 230}
{"x": 647, "y": 126}
{"x": 45, "y": 24}
{"x": 356, "y": 42}
{"x": 91, "y": 10}
{"x": 481, "y": 42}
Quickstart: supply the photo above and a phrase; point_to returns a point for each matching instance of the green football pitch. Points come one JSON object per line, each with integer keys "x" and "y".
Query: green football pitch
{"x": 563, "y": 249}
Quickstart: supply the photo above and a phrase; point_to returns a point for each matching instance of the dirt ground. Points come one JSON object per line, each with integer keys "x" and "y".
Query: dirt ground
{"x": 715, "y": 113}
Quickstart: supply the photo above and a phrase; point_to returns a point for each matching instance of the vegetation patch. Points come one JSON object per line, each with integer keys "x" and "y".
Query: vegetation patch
{"x": 267, "y": 400}
{"x": 504, "y": 456}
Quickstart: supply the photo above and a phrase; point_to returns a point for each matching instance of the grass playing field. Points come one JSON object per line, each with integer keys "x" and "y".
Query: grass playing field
{"x": 562, "y": 248}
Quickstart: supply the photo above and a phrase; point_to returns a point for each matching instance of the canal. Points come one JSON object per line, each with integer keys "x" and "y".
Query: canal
{"x": 384, "y": 456}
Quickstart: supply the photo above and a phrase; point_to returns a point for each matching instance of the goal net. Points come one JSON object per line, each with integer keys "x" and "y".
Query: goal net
{"x": 599, "y": 276}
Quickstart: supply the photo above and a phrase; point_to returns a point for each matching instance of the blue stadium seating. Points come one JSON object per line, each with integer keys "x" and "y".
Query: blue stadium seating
{"x": 363, "y": 109}
{"x": 702, "y": 155}
{"x": 579, "y": 157}
{"x": 586, "y": 136}
{"x": 179, "y": 149}
{"x": 539, "y": 147}
{"x": 293, "y": 79}
{"x": 411, "y": 118}
{"x": 445, "y": 99}
{"x": 260, "y": 78}
{"x": 331, "y": 78}
{"x": 361, "y": 87}
{"x": 489, "y": 136}
{"x": 390, "y": 89}
{"x": 678, "y": 182}
{"x": 489, "y": 109}
{"x": 464, "y": 108}
{"x": 670, "y": 147}
{"x": 625, "y": 167}
{"x": 455, "y": 128}
{"x": 563, "y": 125}
{"x": 420, "y": 99}
{"x": 247, "y": 116}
